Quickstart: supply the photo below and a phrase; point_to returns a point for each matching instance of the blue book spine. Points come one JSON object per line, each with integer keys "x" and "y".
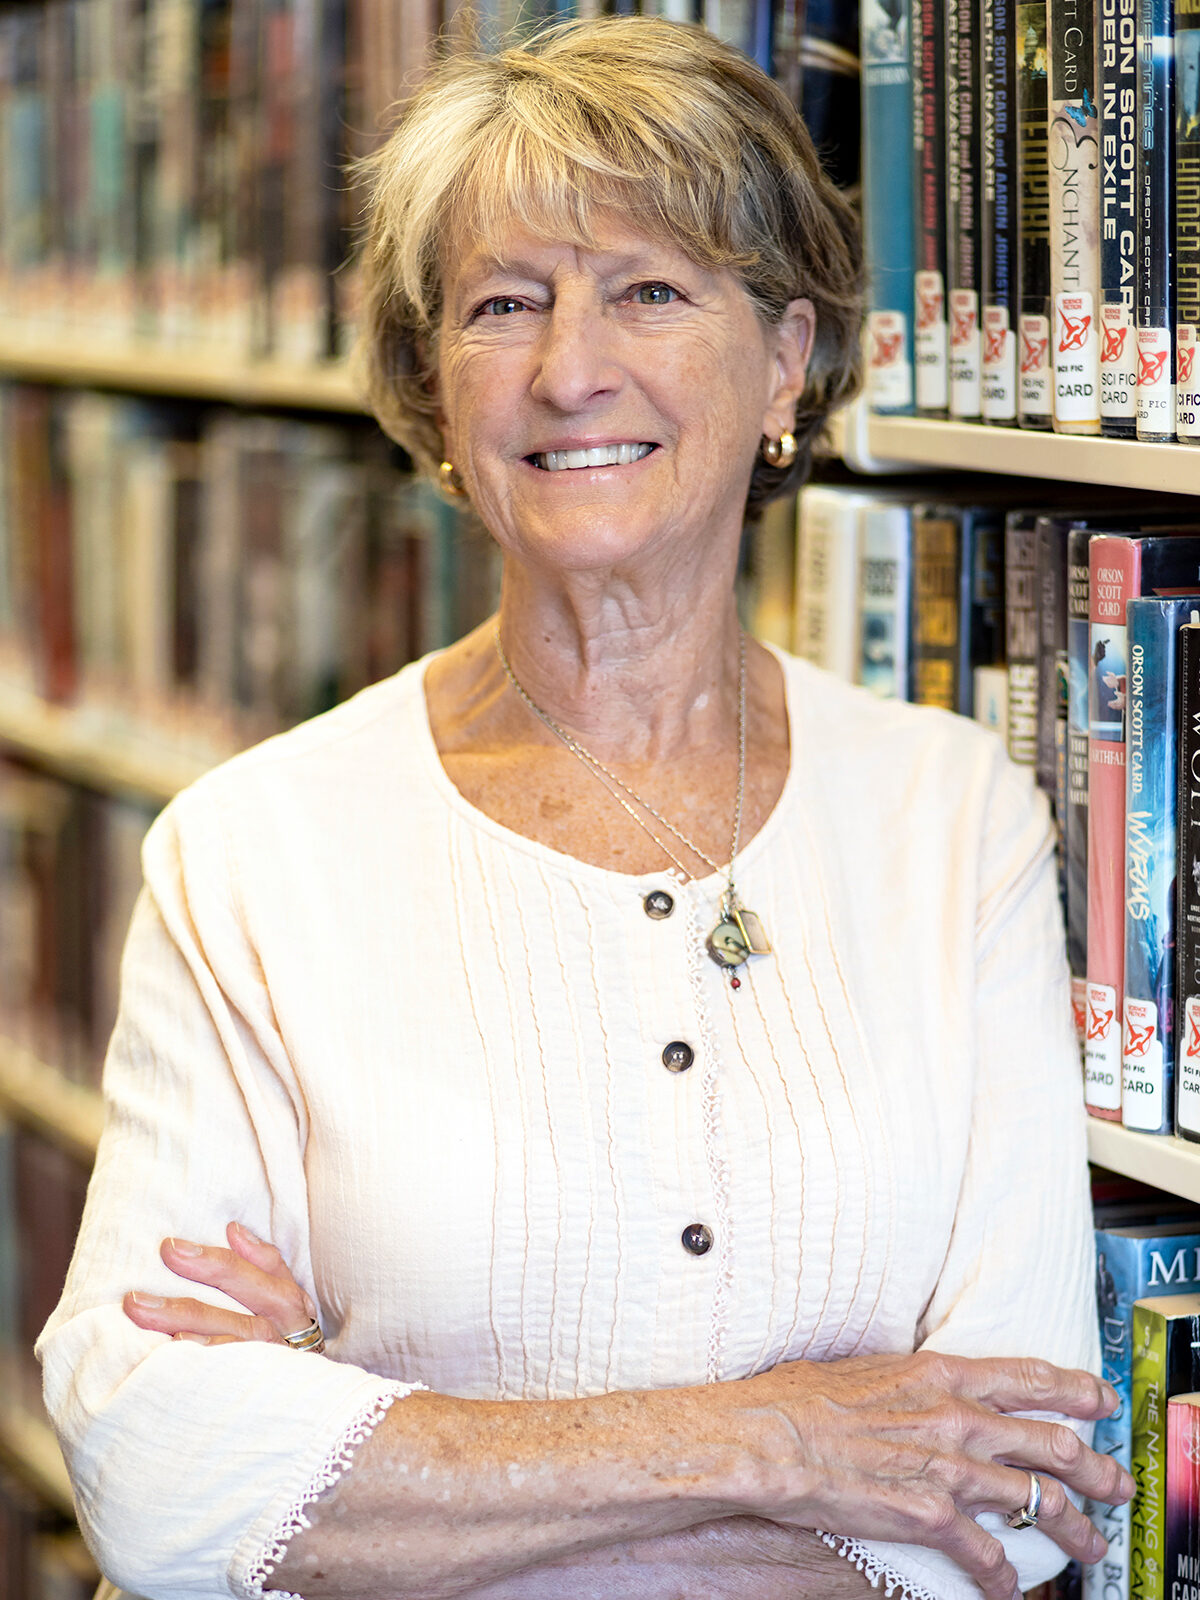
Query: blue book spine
{"x": 1148, "y": 1046}
{"x": 1129, "y": 1266}
{"x": 887, "y": 111}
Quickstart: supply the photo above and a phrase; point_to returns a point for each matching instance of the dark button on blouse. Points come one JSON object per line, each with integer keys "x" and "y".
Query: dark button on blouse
{"x": 697, "y": 1238}
{"x": 678, "y": 1056}
{"x": 658, "y": 904}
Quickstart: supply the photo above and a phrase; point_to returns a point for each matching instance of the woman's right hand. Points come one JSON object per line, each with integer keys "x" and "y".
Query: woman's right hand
{"x": 912, "y": 1448}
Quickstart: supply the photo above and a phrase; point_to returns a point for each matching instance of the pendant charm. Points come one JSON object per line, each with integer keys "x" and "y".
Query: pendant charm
{"x": 738, "y": 936}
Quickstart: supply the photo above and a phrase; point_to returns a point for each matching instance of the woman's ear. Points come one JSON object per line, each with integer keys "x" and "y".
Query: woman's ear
{"x": 794, "y": 335}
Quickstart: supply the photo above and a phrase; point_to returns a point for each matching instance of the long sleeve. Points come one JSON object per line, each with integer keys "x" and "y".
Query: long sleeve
{"x": 1018, "y": 1274}
{"x": 191, "y": 1463}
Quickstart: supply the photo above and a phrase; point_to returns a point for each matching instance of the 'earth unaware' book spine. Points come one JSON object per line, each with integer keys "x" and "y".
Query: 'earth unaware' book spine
{"x": 1156, "y": 234}
{"x": 1118, "y": 218}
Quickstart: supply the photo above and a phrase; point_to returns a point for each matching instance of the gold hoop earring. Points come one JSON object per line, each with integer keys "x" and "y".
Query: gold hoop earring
{"x": 449, "y": 481}
{"x": 780, "y": 452}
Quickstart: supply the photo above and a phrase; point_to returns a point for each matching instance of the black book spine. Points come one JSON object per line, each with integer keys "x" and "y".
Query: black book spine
{"x": 1021, "y": 634}
{"x": 1187, "y": 885}
{"x": 963, "y": 212}
{"x": 1156, "y": 234}
{"x": 1000, "y": 310}
{"x": 1187, "y": 219}
{"x": 981, "y": 590}
{"x": 1079, "y": 670}
{"x": 1035, "y": 391}
{"x": 1052, "y": 680}
{"x": 1118, "y": 218}
{"x": 929, "y": 195}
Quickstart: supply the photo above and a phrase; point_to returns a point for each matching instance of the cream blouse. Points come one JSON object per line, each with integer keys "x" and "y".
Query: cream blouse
{"x": 424, "y": 1056}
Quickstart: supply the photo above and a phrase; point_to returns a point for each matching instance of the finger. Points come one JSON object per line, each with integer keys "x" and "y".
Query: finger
{"x": 183, "y": 1315}
{"x": 265, "y": 1256}
{"x": 1022, "y": 1384}
{"x": 944, "y": 1527}
{"x": 1053, "y": 1448}
{"x": 281, "y": 1301}
{"x": 1005, "y": 1490}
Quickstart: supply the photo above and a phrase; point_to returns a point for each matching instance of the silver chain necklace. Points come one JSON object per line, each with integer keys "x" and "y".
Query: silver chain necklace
{"x": 738, "y": 934}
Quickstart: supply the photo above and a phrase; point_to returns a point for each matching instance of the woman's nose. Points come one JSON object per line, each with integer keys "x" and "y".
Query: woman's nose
{"x": 577, "y": 361}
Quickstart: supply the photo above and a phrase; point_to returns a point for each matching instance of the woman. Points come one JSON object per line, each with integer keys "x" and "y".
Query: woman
{"x": 656, "y": 1050}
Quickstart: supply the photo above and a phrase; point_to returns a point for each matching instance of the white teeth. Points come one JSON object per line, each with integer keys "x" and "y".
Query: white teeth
{"x": 601, "y": 455}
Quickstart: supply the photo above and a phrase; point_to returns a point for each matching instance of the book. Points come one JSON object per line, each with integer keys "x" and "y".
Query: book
{"x": 888, "y": 203}
{"x": 1133, "y": 1260}
{"x": 1001, "y": 307}
{"x": 930, "y": 329}
{"x": 964, "y": 242}
{"x": 827, "y": 578}
{"x": 1187, "y": 880}
{"x": 1181, "y": 1563}
{"x": 1076, "y": 824}
{"x": 1035, "y": 392}
{"x": 1021, "y": 634}
{"x": 1118, "y": 223}
{"x": 1053, "y": 682}
{"x": 1156, "y": 231}
{"x": 1187, "y": 220}
{"x": 1166, "y": 1361}
{"x": 1148, "y": 1051}
{"x": 885, "y": 588}
{"x": 957, "y": 603}
{"x": 1074, "y": 214}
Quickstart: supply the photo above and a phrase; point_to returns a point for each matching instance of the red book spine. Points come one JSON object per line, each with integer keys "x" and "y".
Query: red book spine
{"x": 1115, "y": 575}
{"x": 1181, "y": 1579}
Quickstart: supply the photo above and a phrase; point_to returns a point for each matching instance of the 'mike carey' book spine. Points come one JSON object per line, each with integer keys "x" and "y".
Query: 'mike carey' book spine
{"x": 1118, "y": 219}
{"x": 1182, "y": 1563}
{"x": 1151, "y": 779}
{"x": 1114, "y": 578}
{"x": 1035, "y": 393}
{"x": 1187, "y": 878}
{"x": 1074, "y": 215}
{"x": 930, "y": 347}
{"x": 964, "y": 242}
{"x": 1156, "y": 235}
{"x": 1166, "y": 1361}
{"x": 1132, "y": 1261}
{"x": 1021, "y": 634}
{"x": 887, "y": 110}
{"x": 1187, "y": 220}
{"x": 1001, "y": 312}
{"x": 1079, "y": 675}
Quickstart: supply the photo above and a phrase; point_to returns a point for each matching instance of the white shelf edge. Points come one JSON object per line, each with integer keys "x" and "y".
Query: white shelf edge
{"x": 37, "y": 1095}
{"x": 1162, "y": 1160}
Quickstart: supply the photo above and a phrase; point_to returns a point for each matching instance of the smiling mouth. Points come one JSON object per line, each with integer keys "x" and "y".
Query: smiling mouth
{"x": 602, "y": 455}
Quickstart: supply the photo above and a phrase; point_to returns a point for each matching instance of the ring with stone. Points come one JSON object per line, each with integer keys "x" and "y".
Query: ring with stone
{"x": 1026, "y": 1516}
{"x": 310, "y": 1338}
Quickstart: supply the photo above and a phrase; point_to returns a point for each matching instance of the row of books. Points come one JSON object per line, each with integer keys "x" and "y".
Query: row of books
{"x": 217, "y": 574}
{"x": 39, "y": 1558}
{"x": 1089, "y": 617}
{"x": 175, "y": 169}
{"x": 1031, "y": 175}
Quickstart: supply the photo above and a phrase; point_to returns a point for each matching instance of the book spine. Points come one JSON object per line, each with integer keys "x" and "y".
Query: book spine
{"x": 1187, "y": 220}
{"x": 963, "y": 233}
{"x": 1021, "y": 636}
{"x": 1151, "y": 779}
{"x": 1148, "y": 1453}
{"x": 1078, "y": 673}
{"x": 1156, "y": 237}
{"x": 1000, "y": 309}
{"x": 1187, "y": 878}
{"x": 1182, "y": 1555}
{"x": 1114, "y": 572}
{"x": 1118, "y": 218}
{"x": 888, "y": 205}
{"x": 826, "y": 631}
{"x": 981, "y": 601}
{"x": 1074, "y": 215}
{"x": 884, "y": 591}
{"x": 1052, "y": 683}
{"x": 935, "y": 622}
{"x": 1035, "y": 393}
{"x": 930, "y": 340}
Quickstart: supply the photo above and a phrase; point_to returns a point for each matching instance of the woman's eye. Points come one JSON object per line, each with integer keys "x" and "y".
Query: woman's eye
{"x": 654, "y": 294}
{"x": 502, "y": 306}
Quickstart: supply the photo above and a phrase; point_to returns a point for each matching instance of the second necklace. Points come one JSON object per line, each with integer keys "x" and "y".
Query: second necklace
{"x": 738, "y": 934}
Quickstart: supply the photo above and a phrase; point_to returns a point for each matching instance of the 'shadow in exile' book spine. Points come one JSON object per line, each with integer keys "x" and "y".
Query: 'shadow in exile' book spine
{"x": 1118, "y": 218}
{"x": 930, "y": 336}
{"x": 1001, "y": 312}
{"x": 1187, "y": 220}
{"x": 1074, "y": 215}
{"x": 1156, "y": 233}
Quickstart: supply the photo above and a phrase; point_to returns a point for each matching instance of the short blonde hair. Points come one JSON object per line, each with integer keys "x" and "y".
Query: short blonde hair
{"x": 656, "y": 121}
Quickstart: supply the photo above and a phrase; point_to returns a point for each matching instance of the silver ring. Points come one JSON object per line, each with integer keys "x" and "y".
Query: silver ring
{"x": 310, "y": 1338}
{"x": 1027, "y": 1515}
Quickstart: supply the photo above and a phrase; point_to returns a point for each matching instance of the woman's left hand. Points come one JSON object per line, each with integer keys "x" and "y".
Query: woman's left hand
{"x": 251, "y": 1272}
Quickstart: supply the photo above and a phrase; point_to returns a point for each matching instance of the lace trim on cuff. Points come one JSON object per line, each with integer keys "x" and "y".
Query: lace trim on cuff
{"x": 875, "y": 1570}
{"x": 327, "y": 1474}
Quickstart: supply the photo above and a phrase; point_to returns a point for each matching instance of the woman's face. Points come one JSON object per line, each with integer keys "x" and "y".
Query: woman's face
{"x": 630, "y": 349}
